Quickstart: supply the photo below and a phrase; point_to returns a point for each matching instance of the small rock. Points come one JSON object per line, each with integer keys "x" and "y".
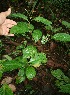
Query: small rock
{"x": 7, "y": 80}
{"x": 12, "y": 87}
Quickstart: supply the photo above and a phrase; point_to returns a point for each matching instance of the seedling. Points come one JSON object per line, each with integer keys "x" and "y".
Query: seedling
{"x": 62, "y": 82}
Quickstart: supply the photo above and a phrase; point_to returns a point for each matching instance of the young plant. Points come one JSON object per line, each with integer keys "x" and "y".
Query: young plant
{"x": 35, "y": 59}
{"x": 58, "y": 36}
{"x": 31, "y": 59}
{"x": 62, "y": 82}
{"x": 24, "y": 27}
{"x": 26, "y": 64}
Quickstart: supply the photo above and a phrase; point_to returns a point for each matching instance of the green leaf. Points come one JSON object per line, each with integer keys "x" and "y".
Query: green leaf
{"x": 42, "y": 57}
{"x": 65, "y": 88}
{"x": 29, "y": 51}
{"x": 21, "y": 76}
{"x": 67, "y": 24}
{"x": 38, "y": 59}
{"x": 36, "y": 35}
{"x": 5, "y": 90}
{"x": 21, "y": 72}
{"x": 11, "y": 65}
{"x": 58, "y": 83}
{"x": 57, "y": 73}
{"x": 19, "y": 15}
{"x": 48, "y": 27}
{"x": 60, "y": 75}
{"x": 21, "y": 28}
{"x": 30, "y": 27}
{"x": 25, "y": 62}
{"x": 62, "y": 82}
{"x": 43, "y": 20}
{"x": 30, "y": 73}
{"x": 62, "y": 37}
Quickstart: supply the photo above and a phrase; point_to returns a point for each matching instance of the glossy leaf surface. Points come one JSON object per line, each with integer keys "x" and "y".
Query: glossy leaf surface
{"x": 37, "y": 34}
{"x": 42, "y": 20}
{"x": 21, "y": 76}
{"x": 38, "y": 59}
{"x": 67, "y": 24}
{"x": 19, "y": 15}
{"x": 29, "y": 51}
{"x": 62, "y": 37}
{"x": 11, "y": 65}
{"x": 30, "y": 73}
{"x": 65, "y": 88}
{"x": 60, "y": 75}
{"x": 22, "y": 28}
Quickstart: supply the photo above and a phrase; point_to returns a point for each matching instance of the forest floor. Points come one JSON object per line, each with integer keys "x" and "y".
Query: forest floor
{"x": 43, "y": 83}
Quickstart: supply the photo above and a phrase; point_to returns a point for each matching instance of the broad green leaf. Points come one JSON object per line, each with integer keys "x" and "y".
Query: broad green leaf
{"x": 21, "y": 28}
{"x": 11, "y": 65}
{"x": 5, "y": 90}
{"x": 67, "y": 24}
{"x": 21, "y": 76}
{"x": 62, "y": 37}
{"x": 30, "y": 73}
{"x": 29, "y": 51}
{"x": 37, "y": 34}
{"x": 43, "y": 20}
{"x": 19, "y": 15}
